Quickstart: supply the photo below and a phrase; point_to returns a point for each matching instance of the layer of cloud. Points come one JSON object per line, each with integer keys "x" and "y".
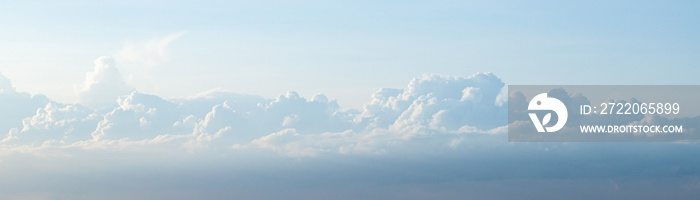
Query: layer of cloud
{"x": 431, "y": 111}
{"x": 440, "y": 136}
{"x": 111, "y": 111}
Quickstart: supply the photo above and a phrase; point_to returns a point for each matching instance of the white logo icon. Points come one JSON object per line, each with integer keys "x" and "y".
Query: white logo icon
{"x": 542, "y": 102}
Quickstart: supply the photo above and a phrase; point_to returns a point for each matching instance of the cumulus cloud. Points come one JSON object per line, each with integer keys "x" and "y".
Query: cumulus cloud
{"x": 16, "y": 107}
{"x": 55, "y": 122}
{"x": 440, "y": 102}
{"x": 430, "y": 106}
{"x": 453, "y": 126}
{"x": 443, "y": 111}
{"x": 103, "y": 85}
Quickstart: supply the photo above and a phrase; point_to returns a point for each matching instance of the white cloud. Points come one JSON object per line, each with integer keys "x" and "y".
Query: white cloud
{"x": 443, "y": 101}
{"x": 432, "y": 110}
{"x": 451, "y": 124}
{"x": 15, "y": 107}
{"x": 430, "y": 106}
{"x": 149, "y": 53}
{"x": 103, "y": 85}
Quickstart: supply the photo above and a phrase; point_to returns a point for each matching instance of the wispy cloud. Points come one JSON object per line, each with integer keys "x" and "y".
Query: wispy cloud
{"x": 148, "y": 53}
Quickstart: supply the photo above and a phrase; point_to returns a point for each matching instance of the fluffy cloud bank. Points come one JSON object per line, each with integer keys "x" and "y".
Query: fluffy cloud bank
{"x": 111, "y": 112}
{"x": 441, "y": 136}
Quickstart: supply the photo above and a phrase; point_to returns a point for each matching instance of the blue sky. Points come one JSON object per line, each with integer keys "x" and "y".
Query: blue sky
{"x": 321, "y": 99}
{"x": 348, "y": 49}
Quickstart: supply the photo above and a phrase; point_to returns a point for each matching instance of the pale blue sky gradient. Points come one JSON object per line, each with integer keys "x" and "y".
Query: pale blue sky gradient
{"x": 348, "y": 50}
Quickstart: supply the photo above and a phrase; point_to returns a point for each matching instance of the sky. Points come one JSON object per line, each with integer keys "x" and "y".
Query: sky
{"x": 327, "y": 99}
{"x": 352, "y": 48}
